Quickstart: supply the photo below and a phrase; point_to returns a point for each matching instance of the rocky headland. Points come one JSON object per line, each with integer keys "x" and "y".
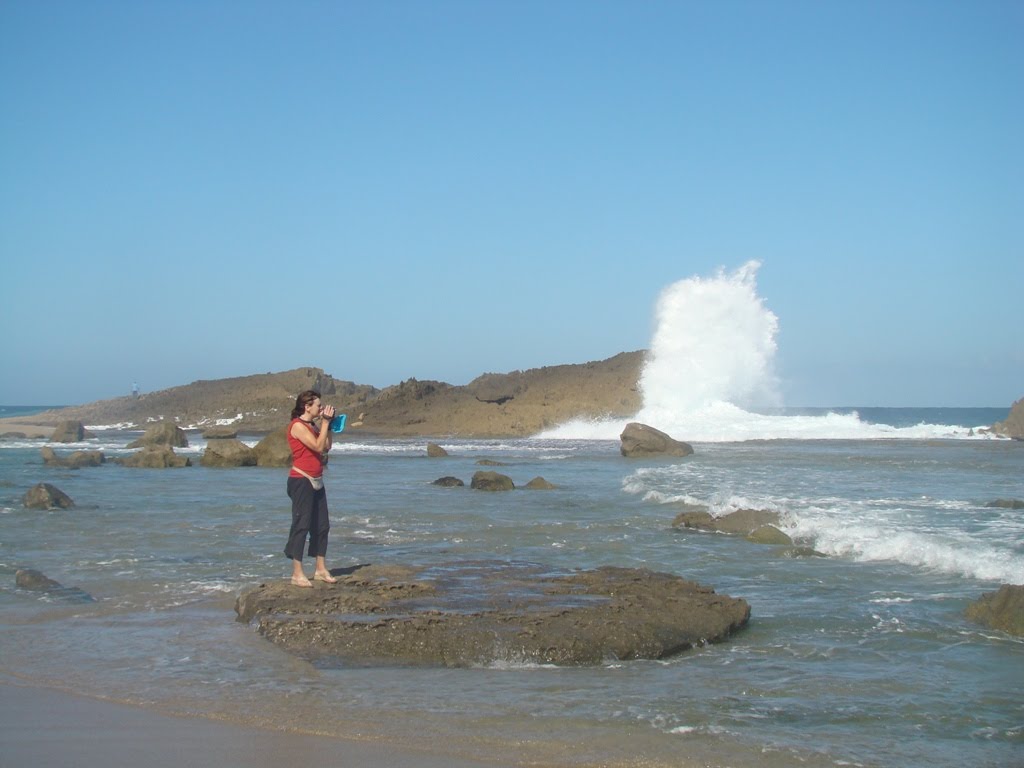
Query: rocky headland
{"x": 515, "y": 404}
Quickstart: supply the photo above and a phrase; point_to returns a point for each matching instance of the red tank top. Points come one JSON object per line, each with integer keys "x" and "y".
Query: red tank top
{"x": 307, "y": 460}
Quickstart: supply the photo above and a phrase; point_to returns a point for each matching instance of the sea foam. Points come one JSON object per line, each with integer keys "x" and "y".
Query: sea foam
{"x": 711, "y": 367}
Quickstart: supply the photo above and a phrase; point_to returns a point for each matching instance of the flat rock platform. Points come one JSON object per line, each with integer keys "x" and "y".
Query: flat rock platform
{"x": 481, "y": 613}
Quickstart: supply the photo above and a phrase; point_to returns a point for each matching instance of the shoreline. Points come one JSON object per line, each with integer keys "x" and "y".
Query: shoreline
{"x": 49, "y": 727}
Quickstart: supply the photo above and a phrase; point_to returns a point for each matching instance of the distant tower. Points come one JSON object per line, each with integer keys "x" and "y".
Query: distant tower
{"x": 135, "y": 390}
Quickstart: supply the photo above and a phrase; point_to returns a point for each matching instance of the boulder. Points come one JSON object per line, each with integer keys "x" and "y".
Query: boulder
{"x": 489, "y": 463}
{"x": 74, "y": 460}
{"x": 46, "y": 496}
{"x": 1002, "y": 610}
{"x": 449, "y": 482}
{"x": 155, "y": 457}
{"x": 163, "y": 433}
{"x": 1014, "y": 424}
{"x": 435, "y": 451}
{"x": 469, "y": 614}
{"x": 539, "y": 484}
{"x": 639, "y": 440}
{"x": 273, "y": 450}
{"x": 228, "y": 453}
{"x": 69, "y": 432}
{"x": 220, "y": 433}
{"x": 491, "y": 481}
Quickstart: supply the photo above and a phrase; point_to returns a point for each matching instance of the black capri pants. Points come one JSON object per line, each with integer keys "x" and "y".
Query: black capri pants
{"x": 309, "y": 518}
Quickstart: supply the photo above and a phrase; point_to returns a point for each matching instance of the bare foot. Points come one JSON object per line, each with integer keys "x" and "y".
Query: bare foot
{"x": 324, "y": 576}
{"x": 301, "y": 581}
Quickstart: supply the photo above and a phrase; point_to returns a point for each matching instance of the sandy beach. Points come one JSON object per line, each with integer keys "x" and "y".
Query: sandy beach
{"x": 48, "y": 727}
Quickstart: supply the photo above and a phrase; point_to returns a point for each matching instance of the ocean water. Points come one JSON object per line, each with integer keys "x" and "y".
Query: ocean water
{"x": 862, "y": 656}
{"x": 858, "y": 655}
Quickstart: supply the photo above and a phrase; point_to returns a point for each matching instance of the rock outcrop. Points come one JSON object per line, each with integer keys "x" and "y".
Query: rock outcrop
{"x": 163, "y": 433}
{"x": 1002, "y": 610}
{"x": 69, "y": 431}
{"x": 1014, "y": 424}
{"x": 639, "y": 440}
{"x": 228, "y": 453}
{"x": 460, "y": 615}
{"x": 540, "y": 484}
{"x": 74, "y": 460}
{"x": 435, "y": 451}
{"x": 220, "y": 433}
{"x": 449, "y": 482}
{"x": 1006, "y": 504}
{"x": 46, "y": 496}
{"x": 155, "y": 457}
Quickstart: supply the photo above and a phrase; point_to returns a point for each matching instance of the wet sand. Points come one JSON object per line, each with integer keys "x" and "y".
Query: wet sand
{"x": 47, "y": 727}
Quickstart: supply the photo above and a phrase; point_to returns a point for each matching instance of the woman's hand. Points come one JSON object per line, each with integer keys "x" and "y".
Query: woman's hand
{"x": 327, "y": 412}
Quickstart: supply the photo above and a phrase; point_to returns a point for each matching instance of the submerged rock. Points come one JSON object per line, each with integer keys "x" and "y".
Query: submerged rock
{"x": 465, "y": 614}
{"x": 449, "y": 482}
{"x": 46, "y": 496}
{"x": 639, "y": 440}
{"x": 540, "y": 484}
{"x": 29, "y": 578}
{"x": 1006, "y": 504}
{"x": 1002, "y": 610}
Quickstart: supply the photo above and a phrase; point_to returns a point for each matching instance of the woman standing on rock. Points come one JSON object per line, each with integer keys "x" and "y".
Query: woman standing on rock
{"x": 310, "y": 445}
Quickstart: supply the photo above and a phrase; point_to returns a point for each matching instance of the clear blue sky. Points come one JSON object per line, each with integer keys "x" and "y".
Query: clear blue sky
{"x": 197, "y": 190}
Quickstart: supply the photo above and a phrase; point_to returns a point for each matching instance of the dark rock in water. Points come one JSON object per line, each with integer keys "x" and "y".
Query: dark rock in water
{"x": 464, "y": 614}
{"x": 1002, "y": 610}
{"x": 1006, "y": 504}
{"x": 155, "y": 457}
{"x": 540, "y": 484}
{"x": 74, "y": 460}
{"x": 28, "y": 578}
{"x": 13, "y": 436}
{"x": 69, "y": 432}
{"x": 228, "y": 453}
{"x": 449, "y": 482}
{"x": 273, "y": 450}
{"x": 220, "y": 433}
{"x": 491, "y": 481}
{"x": 435, "y": 451}
{"x": 489, "y": 463}
{"x": 46, "y": 496}
{"x": 639, "y": 440}
{"x": 163, "y": 433}
{"x": 1014, "y": 424}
